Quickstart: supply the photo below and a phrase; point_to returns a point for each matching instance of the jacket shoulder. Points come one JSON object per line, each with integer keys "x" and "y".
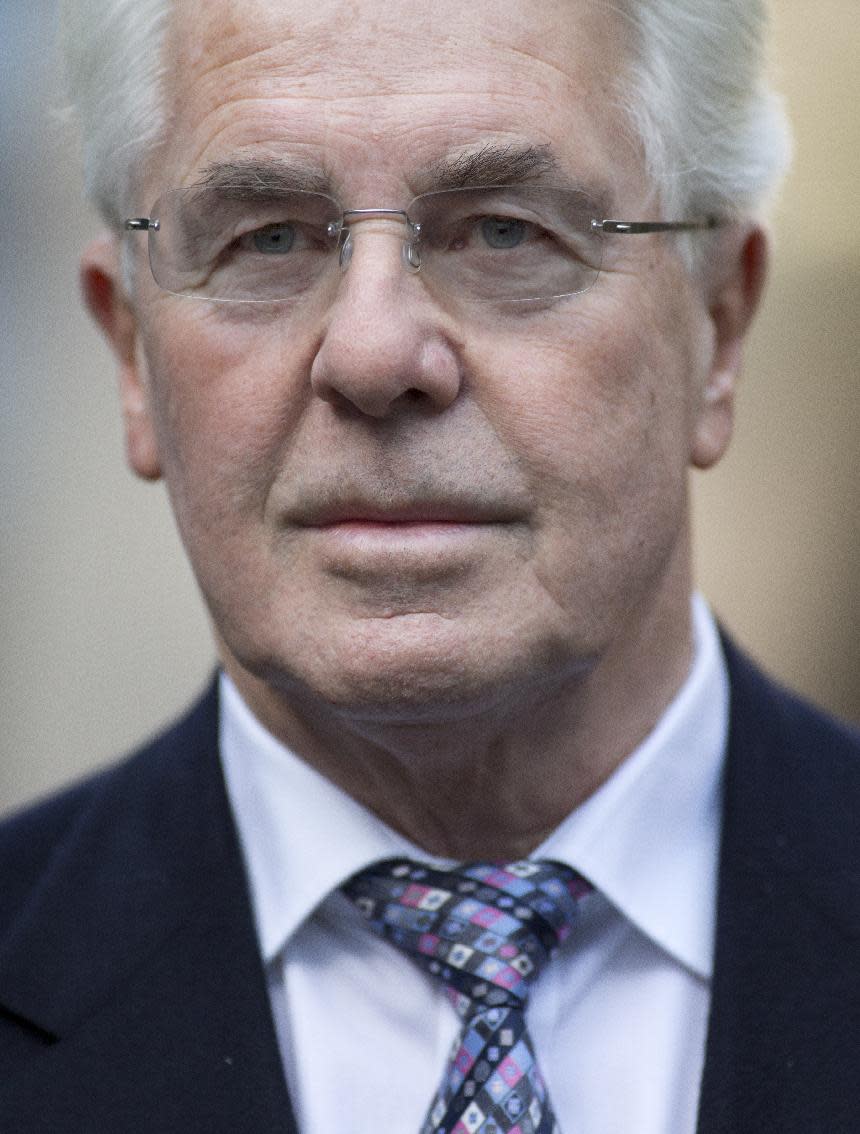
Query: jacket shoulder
{"x": 783, "y": 1030}
{"x": 769, "y": 708}
{"x": 793, "y": 786}
{"x": 35, "y": 837}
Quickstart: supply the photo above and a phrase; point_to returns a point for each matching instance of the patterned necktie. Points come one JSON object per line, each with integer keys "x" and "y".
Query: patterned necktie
{"x": 485, "y": 931}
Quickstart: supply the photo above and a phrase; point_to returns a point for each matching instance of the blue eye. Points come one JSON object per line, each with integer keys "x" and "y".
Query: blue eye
{"x": 275, "y": 239}
{"x": 503, "y": 232}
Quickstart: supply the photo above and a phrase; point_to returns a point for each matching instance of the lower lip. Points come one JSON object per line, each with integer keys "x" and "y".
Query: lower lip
{"x": 416, "y": 535}
{"x": 399, "y": 528}
{"x": 407, "y": 542}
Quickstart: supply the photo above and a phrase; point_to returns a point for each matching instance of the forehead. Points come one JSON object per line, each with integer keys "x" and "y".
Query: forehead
{"x": 390, "y": 86}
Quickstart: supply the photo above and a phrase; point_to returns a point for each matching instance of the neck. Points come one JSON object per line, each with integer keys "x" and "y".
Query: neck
{"x": 490, "y": 781}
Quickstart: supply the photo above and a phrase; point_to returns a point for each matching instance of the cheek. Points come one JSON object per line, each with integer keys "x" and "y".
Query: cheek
{"x": 225, "y": 396}
{"x": 598, "y": 419}
{"x": 226, "y": 399}
{"x": 594, "y": 413}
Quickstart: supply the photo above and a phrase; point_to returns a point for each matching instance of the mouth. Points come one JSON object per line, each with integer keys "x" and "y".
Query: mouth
{"x": 416, "y": 515}
{"x": 421, "y": 543}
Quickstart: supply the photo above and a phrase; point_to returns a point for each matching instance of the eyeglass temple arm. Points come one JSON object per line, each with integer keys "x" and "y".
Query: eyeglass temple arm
{"x": 630, "y": 228}
{"x": 634, "y": 228}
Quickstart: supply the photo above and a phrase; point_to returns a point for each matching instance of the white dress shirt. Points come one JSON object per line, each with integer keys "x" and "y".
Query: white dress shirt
{"x": 618, "y": 1018}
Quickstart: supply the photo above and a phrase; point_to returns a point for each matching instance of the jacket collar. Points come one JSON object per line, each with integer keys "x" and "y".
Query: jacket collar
{"x": 781, "y": 1039}
{"x": 145, "y": 906}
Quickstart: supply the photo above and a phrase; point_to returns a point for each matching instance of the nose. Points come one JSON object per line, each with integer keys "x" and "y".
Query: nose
{"x": 384, "y": 345}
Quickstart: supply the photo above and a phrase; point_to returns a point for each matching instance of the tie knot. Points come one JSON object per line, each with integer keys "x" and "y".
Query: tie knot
{"x": 485, "y": 930}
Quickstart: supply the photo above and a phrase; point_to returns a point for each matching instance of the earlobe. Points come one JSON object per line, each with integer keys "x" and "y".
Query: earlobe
{"x": 734, "y": 281}
{"x": 109, "y": 305}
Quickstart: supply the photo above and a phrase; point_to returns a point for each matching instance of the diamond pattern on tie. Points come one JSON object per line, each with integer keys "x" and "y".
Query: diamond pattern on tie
{"x": 485, "y": 931}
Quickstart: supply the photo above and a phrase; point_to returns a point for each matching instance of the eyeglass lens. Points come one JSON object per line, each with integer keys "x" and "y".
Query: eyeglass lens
{"x": 489, "y": 246}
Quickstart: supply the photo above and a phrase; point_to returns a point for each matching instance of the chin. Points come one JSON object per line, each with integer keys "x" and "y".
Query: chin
{"x": 407, "y": 692}
{"x": 412, "y": 688}
{"x": 413, "y": 667}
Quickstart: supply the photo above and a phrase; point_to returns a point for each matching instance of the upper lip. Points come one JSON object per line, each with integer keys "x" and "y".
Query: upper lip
{"x": 328, "y": 513}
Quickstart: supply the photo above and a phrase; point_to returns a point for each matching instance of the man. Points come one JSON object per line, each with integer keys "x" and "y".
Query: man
{"x": 439, "y": 309}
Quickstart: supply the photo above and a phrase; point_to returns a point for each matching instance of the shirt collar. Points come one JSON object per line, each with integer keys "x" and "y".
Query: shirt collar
{"x": 300, "y": 834}
{"x": 647, "y": 838}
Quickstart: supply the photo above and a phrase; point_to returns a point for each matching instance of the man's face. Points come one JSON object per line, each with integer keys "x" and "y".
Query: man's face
{"x": 389, "y": 504}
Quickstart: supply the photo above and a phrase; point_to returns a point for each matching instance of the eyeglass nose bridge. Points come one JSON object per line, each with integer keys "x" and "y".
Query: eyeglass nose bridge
{"x": 409, "y": 253}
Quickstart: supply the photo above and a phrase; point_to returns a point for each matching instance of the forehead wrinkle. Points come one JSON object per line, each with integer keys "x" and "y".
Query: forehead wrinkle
{"x": 278, "y": 73}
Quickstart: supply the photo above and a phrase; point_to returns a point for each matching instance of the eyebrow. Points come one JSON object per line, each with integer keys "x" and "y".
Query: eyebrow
{"x": 492, "y": 164}
{"x": 488, "y": 165}
{"x": 253, "y": 178}
{"x": 260, "y": 178}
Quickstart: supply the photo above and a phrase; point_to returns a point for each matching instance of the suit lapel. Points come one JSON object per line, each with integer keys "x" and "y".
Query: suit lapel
{"x": 783, "y": 1034}
{"x": 149, "y": 981}
{"x": 132, "y": 998}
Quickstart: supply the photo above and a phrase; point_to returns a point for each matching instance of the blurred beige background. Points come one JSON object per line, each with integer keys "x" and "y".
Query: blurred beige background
{"x": 102, "y": 635}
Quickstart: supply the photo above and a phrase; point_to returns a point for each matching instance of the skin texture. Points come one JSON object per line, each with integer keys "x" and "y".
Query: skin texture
{"x": 440, "y": 552}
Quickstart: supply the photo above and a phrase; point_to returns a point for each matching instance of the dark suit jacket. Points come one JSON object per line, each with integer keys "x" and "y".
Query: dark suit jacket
{"x": 132, "y": 997}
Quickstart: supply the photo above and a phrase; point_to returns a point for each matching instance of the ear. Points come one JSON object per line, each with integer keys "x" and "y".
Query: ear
{"x": 110, "y": 306}
{"x": 733, "y": 280}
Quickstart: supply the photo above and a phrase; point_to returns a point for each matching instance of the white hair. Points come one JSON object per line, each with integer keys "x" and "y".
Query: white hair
{"x": 714, "y": 135}
{"x": 115, "y": 69}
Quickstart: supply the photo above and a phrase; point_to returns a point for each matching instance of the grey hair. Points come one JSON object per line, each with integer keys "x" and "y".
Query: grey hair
{"x": 114, "y": 68}
{"x": 715, "y": 137}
